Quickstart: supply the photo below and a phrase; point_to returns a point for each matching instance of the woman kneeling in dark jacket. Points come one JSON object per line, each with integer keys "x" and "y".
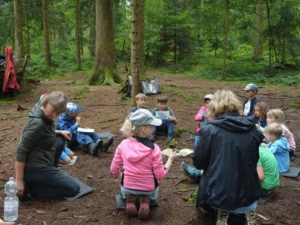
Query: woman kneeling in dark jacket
{"x": 228, "y": 152}
{"x": 39, "y": 150}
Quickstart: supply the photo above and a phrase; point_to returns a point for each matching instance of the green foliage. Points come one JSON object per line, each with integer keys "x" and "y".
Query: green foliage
{"x": 182, "y": 95}
{"x": 7, "y": 101}
{"x": 295, "y": 105}
{"x": 192, "y": 199}
{"x": 82, "y": 93}
{"x": 172, "y": 144}
{"x": 183, "y": 129}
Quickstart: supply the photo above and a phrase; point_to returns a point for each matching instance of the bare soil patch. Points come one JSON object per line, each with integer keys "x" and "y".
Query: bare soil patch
{"x": 105, "y": 111}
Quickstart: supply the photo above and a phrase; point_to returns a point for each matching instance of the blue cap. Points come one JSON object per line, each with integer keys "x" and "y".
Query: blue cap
{"x": 73, "y": 107}
{"x": 251, "y": 87}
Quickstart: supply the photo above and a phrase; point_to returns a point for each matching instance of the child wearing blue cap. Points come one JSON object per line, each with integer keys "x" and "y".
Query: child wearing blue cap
{"x": 70, "y": 121}
{"x": 248, "y": 106}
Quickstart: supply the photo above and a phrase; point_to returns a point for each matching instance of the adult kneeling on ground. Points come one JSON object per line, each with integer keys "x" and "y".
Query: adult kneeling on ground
{"x": 228, "y": 152}
{"x": 39, "y": 150}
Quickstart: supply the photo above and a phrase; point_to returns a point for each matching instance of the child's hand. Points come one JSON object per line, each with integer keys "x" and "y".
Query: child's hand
{"x": 66, "y": 134}
{"x": 78, "y": 118}
{"x": 172, "y": 156}
{"x": 172, "y": 118}
{"x": 257, "y": 126}
{"x": 244, "y": 114}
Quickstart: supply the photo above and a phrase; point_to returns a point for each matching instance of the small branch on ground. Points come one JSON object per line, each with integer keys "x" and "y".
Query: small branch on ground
{"x": 180, "y": 181}
{"x": 261, "y": 216}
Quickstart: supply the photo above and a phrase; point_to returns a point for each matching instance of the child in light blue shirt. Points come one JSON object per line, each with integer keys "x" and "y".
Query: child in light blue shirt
{"x": 279, "y": 146}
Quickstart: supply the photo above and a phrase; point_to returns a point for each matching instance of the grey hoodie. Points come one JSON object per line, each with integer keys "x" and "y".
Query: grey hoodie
{"x": 36, "y": 147}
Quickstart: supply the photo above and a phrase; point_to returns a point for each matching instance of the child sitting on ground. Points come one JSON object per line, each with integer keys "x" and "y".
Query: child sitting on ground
{"x": 278, "y": 146}
{"x": 251, "y": 91}
{"x": 260, "y": 115}
{"x": 66, "y": 156}
{"x": 167, "y": 126}
{"x": 70, "y": 121}
{"x": 267, "y": 170}
{"x": 142, "y": 163}
{"x": 140, "y": 100}
{"x": 201, "y": 115}
{"x": 277, "y": 116}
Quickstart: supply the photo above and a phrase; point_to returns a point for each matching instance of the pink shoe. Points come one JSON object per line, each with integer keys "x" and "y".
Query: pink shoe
{"x": 130, "y": 206}
{"x": 144, "y": 211}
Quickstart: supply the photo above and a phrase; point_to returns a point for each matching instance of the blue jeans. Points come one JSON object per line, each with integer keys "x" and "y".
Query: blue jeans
{"x": 152, "y": 195}
{"x": 167, "y": 127}
{"x": 84, "y": 138}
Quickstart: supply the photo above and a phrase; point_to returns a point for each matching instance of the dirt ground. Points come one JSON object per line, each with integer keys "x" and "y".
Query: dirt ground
{"x": 105, "y": 111}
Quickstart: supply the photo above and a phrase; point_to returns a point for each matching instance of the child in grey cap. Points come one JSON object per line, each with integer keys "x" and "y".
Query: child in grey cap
{"x": 142, "y": 163}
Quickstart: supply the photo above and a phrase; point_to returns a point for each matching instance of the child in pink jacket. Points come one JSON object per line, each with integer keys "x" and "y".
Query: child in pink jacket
{"x": 141, "y": 163}
{"x": 201, "y": 115}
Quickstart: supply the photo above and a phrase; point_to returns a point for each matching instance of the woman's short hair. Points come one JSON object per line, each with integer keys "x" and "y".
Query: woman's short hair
{"x": 57, "y": 100}
{"x": 274, "y": 129}
{"x": 276, "y": 114}
{"x": 222, "y": 102}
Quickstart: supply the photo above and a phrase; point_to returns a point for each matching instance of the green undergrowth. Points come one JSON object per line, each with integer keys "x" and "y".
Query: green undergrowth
{"x": 7, "y": 101}
{"x": 295, "y": 105}
{"x": 193, "y": 197}
{"x": 242, "y": 70}
{"x": 82, "y": 93}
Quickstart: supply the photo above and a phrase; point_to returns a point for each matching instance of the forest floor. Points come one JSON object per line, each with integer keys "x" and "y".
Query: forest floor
{"x": 105, "y": 111}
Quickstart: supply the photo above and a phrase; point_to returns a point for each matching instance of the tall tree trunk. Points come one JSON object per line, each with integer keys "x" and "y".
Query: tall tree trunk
{"x": 78, "y": 36}
{"x": 27, "y": 29}
{"x": 19, "y": 47}
{"x": 258, "y": 51}
{"x": 46, "y": 34}
{"x": 225, "y": 39}
{"x": 92, "y": 37}
{"x": 141, "y": 38}
{"x": 105, "y": 68}
{"x": 135, "y": 51}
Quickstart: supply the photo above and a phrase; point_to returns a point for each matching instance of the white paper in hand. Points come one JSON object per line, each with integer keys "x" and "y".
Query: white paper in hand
{"x": 163, "y": 115}
{"x": 86, "y": 130}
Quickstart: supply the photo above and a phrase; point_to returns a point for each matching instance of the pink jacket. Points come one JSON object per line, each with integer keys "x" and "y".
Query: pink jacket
{"x": 140, "y": 164}
{"x": 289, "y": 136}
{"x": 199, "y": 117}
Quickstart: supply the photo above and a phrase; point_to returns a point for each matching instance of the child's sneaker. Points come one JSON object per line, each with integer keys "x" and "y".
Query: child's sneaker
{"x": 251, "y": 218}
{"x": 144, "y": 211}
{"x": 222, "y": 218}
{"x": 130, "y": 205}
{"x": 192, "y": 173}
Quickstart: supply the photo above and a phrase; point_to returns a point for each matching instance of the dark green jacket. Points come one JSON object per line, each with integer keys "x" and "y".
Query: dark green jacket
{"x": 36, "y": 146}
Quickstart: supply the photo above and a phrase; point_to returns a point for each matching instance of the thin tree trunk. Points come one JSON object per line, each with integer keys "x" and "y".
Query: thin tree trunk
{"x": 225, "y": 39}
{"x": 27, "y": 30}
{"x": 270, "y": 32}
{"x": 78, "y": 36}
{"x": 258, "y": 51}
{"x": 141, "y": 38}
{"x": 92, "y": 37}
{"x": 19, "y": 48}
{"x": 135, "y": 51}
{"x": 46, "y": 34}
{"x": 105, "y": 68}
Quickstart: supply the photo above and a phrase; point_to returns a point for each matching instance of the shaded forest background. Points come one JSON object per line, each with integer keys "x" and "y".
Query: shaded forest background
{"x": 238, "y": 40}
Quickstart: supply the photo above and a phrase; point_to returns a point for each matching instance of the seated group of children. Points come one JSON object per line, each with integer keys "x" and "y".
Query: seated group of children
{"x": 70, "y": 121}
{"x": 275, "y": 156}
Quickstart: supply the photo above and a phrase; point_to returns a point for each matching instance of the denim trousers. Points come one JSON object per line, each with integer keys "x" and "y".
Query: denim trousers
{"x": 167, "y": 127}
{"x": 152, "y": 195}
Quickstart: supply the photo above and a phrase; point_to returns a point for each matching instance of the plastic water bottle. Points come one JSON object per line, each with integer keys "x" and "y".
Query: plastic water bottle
{"x": 11, "y": 202}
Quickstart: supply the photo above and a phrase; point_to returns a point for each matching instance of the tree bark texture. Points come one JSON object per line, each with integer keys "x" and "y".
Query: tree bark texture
{"x": 46, "y": 33}
{"x": 78, "y": 36}
{"x": 141, "y": 38}
{"x": 19, "y": 45}
{"x": 225, "y": 39}
{"x": 105, "y": 68}
{"x": 258, "y": 51}
{"x": 135, "y": 51}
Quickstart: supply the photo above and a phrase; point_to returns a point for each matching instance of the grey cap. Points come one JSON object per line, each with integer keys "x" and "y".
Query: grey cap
{"x": 251, "y": 87}
{"x": 143, "y": 117}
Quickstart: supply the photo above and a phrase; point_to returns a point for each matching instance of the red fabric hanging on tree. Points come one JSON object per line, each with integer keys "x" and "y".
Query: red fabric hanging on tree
{"x": 10, "y": 78}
